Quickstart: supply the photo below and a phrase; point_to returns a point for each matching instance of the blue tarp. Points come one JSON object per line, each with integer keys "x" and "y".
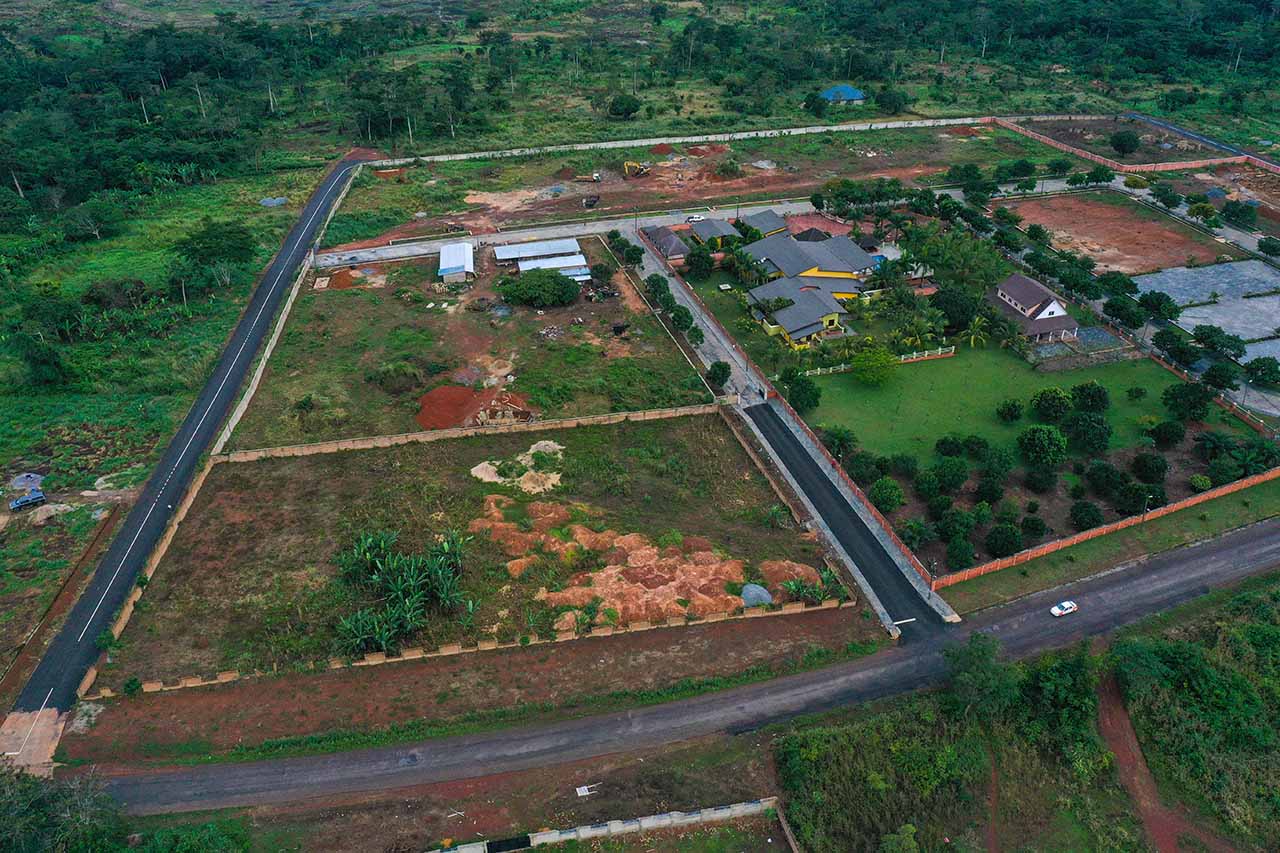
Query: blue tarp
{"x": 843, "y": 92}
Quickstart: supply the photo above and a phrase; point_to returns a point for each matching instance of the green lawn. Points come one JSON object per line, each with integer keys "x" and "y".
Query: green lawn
{"x": 927, "y": 400}
{"x": 1171, "y": 531}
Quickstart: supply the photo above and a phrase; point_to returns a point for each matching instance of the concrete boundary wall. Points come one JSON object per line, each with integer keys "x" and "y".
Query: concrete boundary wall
{"x": 648, "y": 823}
{"x": 369, "y": 442}
{"x": 451, "y": 649}
{"x": 1093, "y": 533}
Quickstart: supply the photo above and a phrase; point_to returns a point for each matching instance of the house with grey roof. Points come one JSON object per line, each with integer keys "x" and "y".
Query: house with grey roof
{"x": 713, "y": 232}
{"x": 667, "y": 242}
{"x": 838, "y": 258}
{"x": 800, "y": 315}
{"x": 1038, "y": 312}
{"x": 766, "y": 222}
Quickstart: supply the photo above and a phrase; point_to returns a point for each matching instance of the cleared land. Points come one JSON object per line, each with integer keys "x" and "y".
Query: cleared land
{"x": 1119, "y": 233}
{"x": 250, "y": 581}
{"x": 1241, "y": 299}
{"x": 1158, "y": 145}
{"x": 396, "y": 351}
{"x": 484, "y": 195}
{"x": 1241, "y": 183}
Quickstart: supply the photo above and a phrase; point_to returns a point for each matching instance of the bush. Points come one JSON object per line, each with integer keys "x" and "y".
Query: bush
{"x": 977, "y": 447}
{"x": 1091, "y": 397}
{"x": 956, "y": 523}
{"x": 1034, "y": 526}
{"x": 1006, "y": 512}
{"x": 1085, "y": 515}
{"x": 949, "y": 445}
{"x": 1104, "y": 478}
{"x": 1224, "y": 470}
{"x": 1088, "y": 432}
{"x": 1041, "y": 480}
{"x": 1077, "y": 491}
{"x": 133, "y": 686}
{"x": 926, "y": 485}
{"x": 1137, "y": 392}
{"x": 1167, "y": 434}
{"x": 916, "y": 532}
{"x": 952, "y": 472}
{"x": 539, "y": 289}
{"x": 998, "y": 463}
{"x": 1150, "y": 467}
{"x": 718, "y": 373}
{"x": 1200, "y": 483}
{"x": 1009, "y": 411}
{"x": 981, "y": 513}
{"x": 1134, "y": 498}
{"x": 886, "y": 495}
{"x": 1003, "y": 540}
{"x": 904, "y": 465}
{"x": 1043, "y": 446}
{"x": 1033, "y": 507}
{"x": 959, "y": 554}
{"x": 938, "y": 506}
{"x": 1051, "y": 404}
{"x": 990, "y": 489}
{"x": 863, "y": 467}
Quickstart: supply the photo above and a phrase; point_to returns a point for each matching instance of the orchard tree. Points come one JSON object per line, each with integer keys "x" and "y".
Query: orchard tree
{"x": 1043, "y": 446}
{"x": 1188, "y": 401}
{"x": 886, "y": 495}
{"x": 1091, "y": 396}
{"x": 1051, "y": 404}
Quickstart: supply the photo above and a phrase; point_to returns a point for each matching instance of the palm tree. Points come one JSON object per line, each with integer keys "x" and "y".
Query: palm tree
{"x": 976, "y": 334}
{"x": 917, "y": 332}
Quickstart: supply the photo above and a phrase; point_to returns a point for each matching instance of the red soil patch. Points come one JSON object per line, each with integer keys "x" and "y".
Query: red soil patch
{"x": 366, "y": 154}
{"x": 696, "y": 151}
{"x": 641, "y": 581}
{"x": 388, "y": 174}
{"x": 1164, "y": 825}
{"x": 1117, "y": 236}
{"x": 661, "y": 148}
{"x": 346, "y": 279}
{"x": 457, "y": 405}
{"x": 964, "y": 130}
{"x": 565, "y": 174}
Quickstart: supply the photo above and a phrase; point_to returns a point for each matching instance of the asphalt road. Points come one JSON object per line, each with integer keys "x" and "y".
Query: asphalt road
{"x": 1106, "y": 602}
{"x": 73, "y": 650}
{"x": 897, "y": 595}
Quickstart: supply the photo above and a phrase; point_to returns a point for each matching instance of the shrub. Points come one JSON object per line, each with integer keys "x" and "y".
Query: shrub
{"x": 904, "y": 465}
{"x": 959, "y": 553}
{"x": 1104, "y": 478}
{"x": 1034, "y": 526}
{"x": 998, "y": 463}
{"x": 990, "y": 489}
{"x": 1006, "y": 513}
{"x": 926, "y": 485}
{"x": 981, "y": 513}
{"x": 1088, "y": 432}
{"x": 1041, "y": 479}
{"x": 1033, "y": 507}
{"x": 1085, "y": 514}
{"x": 1200, "y": 483}
{"x": 539, "y": 289}
{"x": 1091, "y": 397}
{"x": 863, "y": 467}
{"x": 952, "y": 472}
{"x": 1150, "y": 467}
{"x": 977, "y": 447}
{"x": 1051, "y": 404}
{"x": 886, "y": 495}
{"x": 1134, "y": 498}
{"x": 1077, "y": 491}
{"x": 1043, "y": 446}
{"x": 1188, "y": 401}
{"x": 938, "y": 505}
{"x": 1009, "y": 411}
{"x": 949, "y": 445}
{"x": 1167, "y": 434}
{"x": 396, "y": 377}
{"x": 956, "y": 523}
{"x": 1003, "y": 540}
{"x": 133, "y": 686}
{"x": 1224, "y": 470}
{"x": 916, "y": 532}
{"x": 718, "y": 373}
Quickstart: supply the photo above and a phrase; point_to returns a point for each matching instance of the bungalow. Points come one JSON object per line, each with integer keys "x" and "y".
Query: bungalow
{"x": 766, "y": 222}
{"x": 667, "y": 242}
{"x": 836, "y": 258}
{"x": 800, "y": 315}
{"x": 1038, "y": 312}
{"x": 713, "y": 232}
{"x": 843, "y": 93}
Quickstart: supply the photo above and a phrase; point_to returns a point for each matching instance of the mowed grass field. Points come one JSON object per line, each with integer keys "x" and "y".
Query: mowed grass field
{"x": 927, "y": 400}
{"x": 249, "y": 582}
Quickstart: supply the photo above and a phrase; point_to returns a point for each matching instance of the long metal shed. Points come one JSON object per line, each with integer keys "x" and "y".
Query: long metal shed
{"x": 537, "y": 249}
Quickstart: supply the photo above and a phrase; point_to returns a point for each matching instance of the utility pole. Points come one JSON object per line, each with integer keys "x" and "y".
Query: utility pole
{"x": 200, "y": 95}
{"x": 146, "y": 118}
{"x": 17, "y": 185}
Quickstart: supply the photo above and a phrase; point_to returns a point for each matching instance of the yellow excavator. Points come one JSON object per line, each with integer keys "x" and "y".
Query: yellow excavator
{"x": 634, "y": 170}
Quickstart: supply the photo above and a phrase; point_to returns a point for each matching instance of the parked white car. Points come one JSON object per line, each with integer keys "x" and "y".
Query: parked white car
{"x": 1064, "y": 608}
{"x": 697, "y": 217}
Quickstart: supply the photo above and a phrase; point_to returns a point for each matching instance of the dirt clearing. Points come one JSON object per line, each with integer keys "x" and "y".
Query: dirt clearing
{"x": 1157, "y": 145}
{"x": 1118, "y": 233}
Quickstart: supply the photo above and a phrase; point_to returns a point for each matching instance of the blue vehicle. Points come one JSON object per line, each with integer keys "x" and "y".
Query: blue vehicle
{"x": 35, "y": 497}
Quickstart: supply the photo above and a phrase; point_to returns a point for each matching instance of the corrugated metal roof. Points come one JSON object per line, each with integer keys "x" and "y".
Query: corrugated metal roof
{"x": 561, "y": 262}
{"x": 709, "y": 229}
{"x": 456, "y": 258}
{"x": 843, "y": 92}
{"x": 537, "y": 249}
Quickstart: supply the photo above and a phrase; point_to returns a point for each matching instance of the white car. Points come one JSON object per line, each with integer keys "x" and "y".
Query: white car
{"x": 1064, "y": 608}
{"x": 697, "y": 217}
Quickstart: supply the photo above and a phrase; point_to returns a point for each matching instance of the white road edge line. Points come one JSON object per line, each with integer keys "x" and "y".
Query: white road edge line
{"x": 32, "y": 730}
{"x": 182, "y": 455}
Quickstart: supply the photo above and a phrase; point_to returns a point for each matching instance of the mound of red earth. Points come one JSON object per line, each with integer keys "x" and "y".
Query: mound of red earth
{"x": 640, "y": 581}
{"x": 449, "y": 406}
{"x": 661, "y": 148}
{"x": 964, "y": 130}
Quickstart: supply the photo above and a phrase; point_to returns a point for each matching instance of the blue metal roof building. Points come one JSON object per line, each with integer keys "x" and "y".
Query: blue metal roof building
{"x": 843, "y": 93}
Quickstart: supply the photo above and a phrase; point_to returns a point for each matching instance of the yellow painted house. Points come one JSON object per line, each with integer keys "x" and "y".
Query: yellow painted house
{"x": 808, "y": 315}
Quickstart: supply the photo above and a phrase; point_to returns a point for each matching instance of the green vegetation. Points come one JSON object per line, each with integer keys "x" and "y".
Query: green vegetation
{"x": 1202, "y": 695}
{"x": 1022, "y": 736}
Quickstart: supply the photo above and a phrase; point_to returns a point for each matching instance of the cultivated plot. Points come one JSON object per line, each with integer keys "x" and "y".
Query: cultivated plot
{"x": 386, "y": 349}
{"x": 1119, "y": 233}
{"x": 571, "y": 528}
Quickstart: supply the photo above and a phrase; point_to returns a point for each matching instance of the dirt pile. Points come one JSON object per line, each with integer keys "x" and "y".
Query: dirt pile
{"x": 641, "y": 581}
{"x": 662, "y": 148}
{"x": 449, "y": 406}
{"x": 371, "y": 275}
{"x": 524, "y": 472}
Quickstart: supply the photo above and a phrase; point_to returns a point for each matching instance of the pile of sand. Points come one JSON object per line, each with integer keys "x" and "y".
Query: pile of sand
{"x": 530, "y": 481}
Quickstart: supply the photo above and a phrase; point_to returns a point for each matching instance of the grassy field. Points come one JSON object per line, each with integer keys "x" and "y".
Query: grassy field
{"x": 227, "y": 598}
{"x": 336, "y": 372}
{"x": 927, "y": 400}
{"x": 1079, "y": 561}
{"x": 1201, "y": 687}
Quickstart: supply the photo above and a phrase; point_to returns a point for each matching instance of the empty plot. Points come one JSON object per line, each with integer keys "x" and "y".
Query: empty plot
{"x": 1192, "y": 285}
